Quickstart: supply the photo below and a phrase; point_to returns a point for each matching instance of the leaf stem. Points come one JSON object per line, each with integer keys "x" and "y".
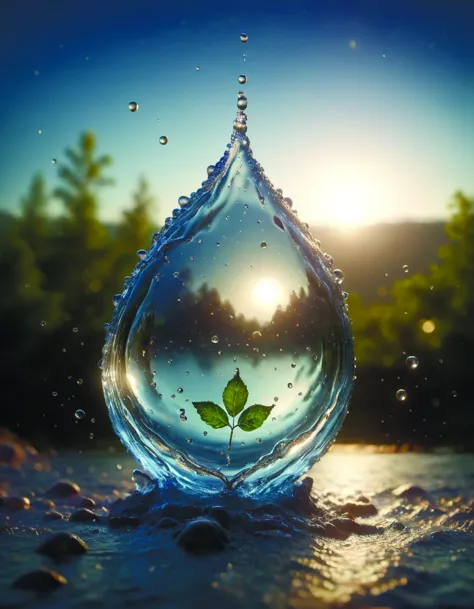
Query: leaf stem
{"x": 232, "y": 427}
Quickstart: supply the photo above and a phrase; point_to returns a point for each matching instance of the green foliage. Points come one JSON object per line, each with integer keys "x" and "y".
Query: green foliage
{"x": 235, "y": 397}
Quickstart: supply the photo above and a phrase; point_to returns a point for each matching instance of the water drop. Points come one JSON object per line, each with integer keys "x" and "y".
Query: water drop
{"x": 241, "y": 103}
{"x": 116, "y": 299}
{"x": 293, "y": 365}
{"x": 183, "y": 201}
{"x": 197, "y": 68}
{"x": 43, "y": 323}
{"x": 180, "y": 390}
{"x": 163, "y": 140}
{"x": 55, "y": 393}
{"x": 263, "y": 245}
{"x": 405, "y": 268}
{"x": 338, "y": 275}
{"x": 215, "y": 339}
{"x": 257, "y": 334}
{"x": 290, "y": 385}
{"x": 133, "y": 106}
{"x": 401, "y": 395}
{"x": 141, "y": 254}
{"x": 53, "y": 161}
{"x": 210, "y": 170}
{"x": 40, "y": 132}
{"x": 258, "y": 440}
{"x": 244, "y": 37}
{"x": 79, "y": 414}
{"x": 189, "y": 440}
{"x": 242, "y": 79}
{"x": 412, "y": 361}
{"x": 204, "y": 433}
{"x": 79, "y": 381}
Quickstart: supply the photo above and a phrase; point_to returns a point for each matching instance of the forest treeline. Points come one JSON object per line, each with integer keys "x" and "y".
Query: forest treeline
{"x": 58, "y": 274}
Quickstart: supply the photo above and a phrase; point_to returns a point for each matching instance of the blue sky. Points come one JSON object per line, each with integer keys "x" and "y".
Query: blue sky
{"x": 360, "y": 111}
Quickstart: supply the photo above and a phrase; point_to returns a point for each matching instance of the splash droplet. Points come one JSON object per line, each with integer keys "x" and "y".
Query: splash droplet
{"x": 412, "y": 362}
{"x": 163, "y": 140}
{"x": 401, "y": 395}
{"x": 133, "y": 106}
{"x": 242, "y": 102}
{"x": 141, "y": 254}
{"x": 244, "y": 37}
{"x": 338, "y": 276}
{"x": 242, "y": 79}
{"x": 53, "y": 161}
{"x": 210, "y": 170}
{"x": 215, "y": 339}
{"x": 405, "y": 268}
{"x": 43, "y": 323}
{"x": 183, "y": 201}
{"x": 79, "y": 414}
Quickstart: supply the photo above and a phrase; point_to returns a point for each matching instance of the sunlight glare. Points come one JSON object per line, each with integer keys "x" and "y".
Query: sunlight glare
{"x": 267, "y": 292}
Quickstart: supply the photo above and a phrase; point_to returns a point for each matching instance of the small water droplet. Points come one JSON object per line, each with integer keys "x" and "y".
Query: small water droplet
{"x": 43, "y": 323}
{"x": 210, "y": 170}
{"x": 189, "y": 440}
{"x": 53, "y": 161}
{"x": 204, "y": 433}
{"x": 153, "y": 384}
{"x": 275, "y": 399}
{"x": 163, "y": 140}
{"x": 338, "y": 276}
{"x": 133, "y": 106}
{"x": 215, "y": 339}
{"x": 176, "y": 274}
{"x": 79, "y": 414}
{"x": 258, "y": 440}
{"x": 405, "y": 268}
{"x": 241, "y": 103}
{"x": 401, "y": 395}
{"x": 293, "y": 365}
{"x": 242, "y": 79}
{"x": 116, "y": 299}
{"x": 183, "y": 201}
{"x": 263, "y": 245}
{"x": 180, "y": 390}
{"x": 290, "y": 385}
{"x": 79, "y": 381}
{"x": 257, "y": 334}
{"x": 454, "y": 393}
{"x": 412, "y": 361}
{"x": 40, "y": 132}
{"x": 197, "y": 68}
{"x": 243, "y": 37}
{"x": 141, "y": 254}
{"x": 55, "y": 393}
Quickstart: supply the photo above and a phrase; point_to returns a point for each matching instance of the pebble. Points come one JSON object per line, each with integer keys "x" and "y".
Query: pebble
{"x": 202, "y": 536}
{"x": 167, "y": 523}
{"x": 16, "y": 504}
{"x": 43, "y": 504}
{"x": 53, "y": 516}
{"x": 61, "y": 545}
{"x": 64, "y": 489}
{"x": 11, "y": 454}
{"x": 41, "y": 580}
{"x": 86, "y": 502}
{"x": 84, "y": 515}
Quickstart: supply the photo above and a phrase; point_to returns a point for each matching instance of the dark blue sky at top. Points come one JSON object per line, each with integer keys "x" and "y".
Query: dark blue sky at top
{"x": 50, "y": 36}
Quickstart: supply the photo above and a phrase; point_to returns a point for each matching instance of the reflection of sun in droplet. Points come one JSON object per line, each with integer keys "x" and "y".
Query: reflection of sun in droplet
{"x": 267, "y": 292}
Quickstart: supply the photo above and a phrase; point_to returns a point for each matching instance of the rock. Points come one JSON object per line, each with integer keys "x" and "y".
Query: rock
{"x": 355, "y": 510}
{"x": 62, "y": 545}
{"x": 16, "y": 504}
{"x": 221, "y": 515}
{"x": 409, "y": 491}
{"x": 41, "y": 580}
{"x": 11, "y": 454}
{"x": 53, "y": 516}
{"x": 84, "y": 515}
{"x": 63, "y": 489}
{"x": 123, "y": 522}
{"x": 86, "y": 502}
{"x": 167, "y": 523}
{"x": 43, "y": 504}
{"x": 202, "y": 535}
{"x": 178, "y": 511}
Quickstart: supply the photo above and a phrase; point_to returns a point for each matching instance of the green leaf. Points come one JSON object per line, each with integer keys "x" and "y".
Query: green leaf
{"x": 212, "y": 414}
{"x": 235, "y": 396}
{"x": 254, "y": 417}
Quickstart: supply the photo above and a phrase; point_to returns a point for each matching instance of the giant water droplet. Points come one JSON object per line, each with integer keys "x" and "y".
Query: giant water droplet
{"x": 185, "y": 311}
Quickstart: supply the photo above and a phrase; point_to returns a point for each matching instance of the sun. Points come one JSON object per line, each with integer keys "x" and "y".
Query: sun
{"x": 267, "y": 293}
{"x": 349, "y": 205}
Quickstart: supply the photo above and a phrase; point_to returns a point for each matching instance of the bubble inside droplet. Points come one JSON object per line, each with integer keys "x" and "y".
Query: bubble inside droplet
{"x": 242, "y": 79}
{"x": 412, "y": 361}
{"x": 215, "y": 339}
{"x": 79, "y": 414}
{"x": 405, "y": 268}
{"x": 338, "y": 276}
{"x": 163, "y": 140}
{"x": 401, "y": 395}
{"x": 43, "y": 323}
{"x": 133, "y": 106}
{"x": 244, "y": 37}
{"x": 263, "y": 245}
{"x": 183, "y": 201}
{"x": 75, "y": 329}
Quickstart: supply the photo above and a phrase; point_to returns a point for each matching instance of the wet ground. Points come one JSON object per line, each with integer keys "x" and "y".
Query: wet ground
{"x": 367, "y": 541}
